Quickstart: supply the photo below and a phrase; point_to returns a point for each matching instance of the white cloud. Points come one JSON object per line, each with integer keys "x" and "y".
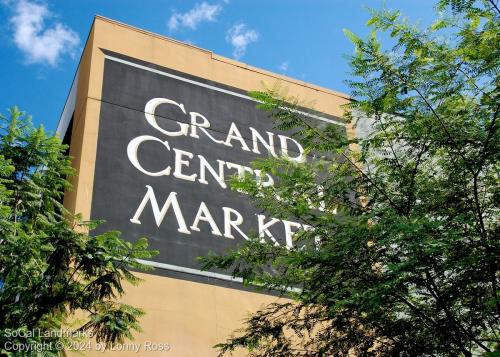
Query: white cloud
{"x": 192, "y": 18}
{"x": 284, "y": 66}
{"x": 240, "y": 37}
{"x": 38, "y": 42}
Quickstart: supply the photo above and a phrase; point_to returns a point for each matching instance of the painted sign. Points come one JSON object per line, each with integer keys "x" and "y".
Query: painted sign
{"x": 167, "y": 144}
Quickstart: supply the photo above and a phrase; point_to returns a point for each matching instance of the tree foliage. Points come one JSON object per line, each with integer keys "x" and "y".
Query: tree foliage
{"x": 50, "y": 267}
{"x": 403, "y": 260}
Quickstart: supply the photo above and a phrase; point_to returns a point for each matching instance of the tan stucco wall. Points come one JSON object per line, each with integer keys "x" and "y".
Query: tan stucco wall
{"x": 190, "y": 317}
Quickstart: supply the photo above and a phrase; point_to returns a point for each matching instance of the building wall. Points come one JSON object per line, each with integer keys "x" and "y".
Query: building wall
{"x": 190, "y": 317}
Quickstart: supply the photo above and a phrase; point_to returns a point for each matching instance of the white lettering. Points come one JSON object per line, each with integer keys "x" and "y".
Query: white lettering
{"x": 268, "y": 145}
{"x": 289, "y": 233}
{"x": 195, "y": 124}
{"x": 149, "y": 112}
{"x": 132, "y": 148}
{"x": 230, "y": 223}
{"x": 259, "y": 176}
{"x": 239, "y": 168}
{"x": 264, "y": 228}
{"x": 284, "y": 149}
{"x": 234, "y": 133}
{"x": 218, "y": 176}
{"x": 159, "y": 215}
{"x": 180, "y": 162}
{"x": 205, "y": 215}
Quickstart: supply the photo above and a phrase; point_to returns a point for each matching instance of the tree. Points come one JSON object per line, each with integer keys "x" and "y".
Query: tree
{"x": 50, "y": 267}
{"x": 406, "y": 259}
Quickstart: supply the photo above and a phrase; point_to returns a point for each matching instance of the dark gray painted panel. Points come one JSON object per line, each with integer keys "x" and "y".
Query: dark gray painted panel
{"x": 119, "y": 187}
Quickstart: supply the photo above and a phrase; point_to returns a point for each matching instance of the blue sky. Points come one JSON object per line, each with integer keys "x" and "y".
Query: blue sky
{"x": 41, "y": 41}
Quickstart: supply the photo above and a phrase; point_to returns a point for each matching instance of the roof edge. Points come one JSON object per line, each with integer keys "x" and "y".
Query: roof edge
{"x": 225, "y": 59}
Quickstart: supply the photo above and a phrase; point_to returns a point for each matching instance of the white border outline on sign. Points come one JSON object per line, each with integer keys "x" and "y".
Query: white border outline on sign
{"x": 192, "y": 271}
{"x": 180, "y": 269}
